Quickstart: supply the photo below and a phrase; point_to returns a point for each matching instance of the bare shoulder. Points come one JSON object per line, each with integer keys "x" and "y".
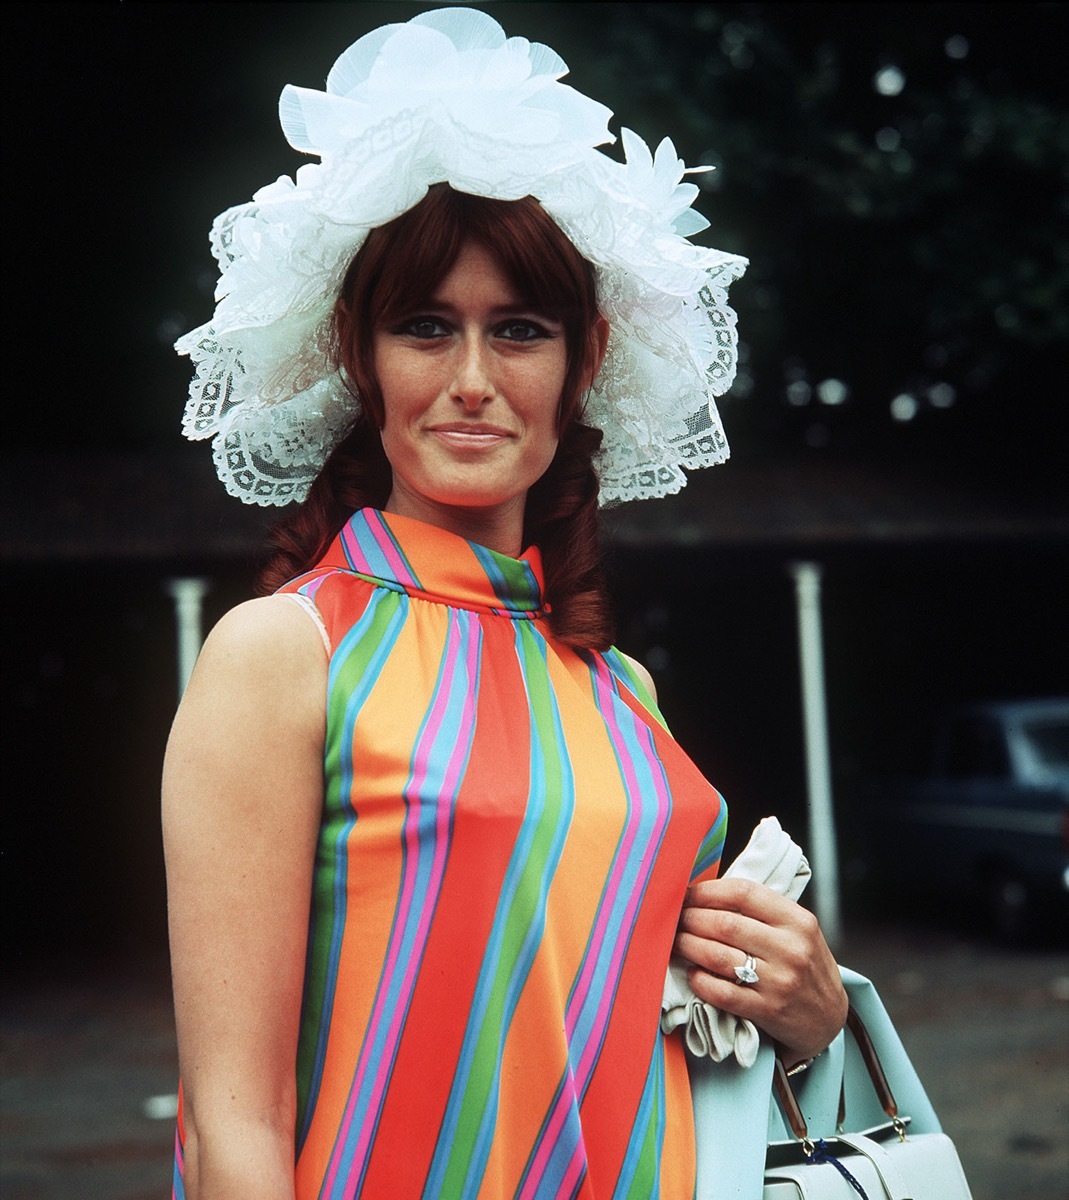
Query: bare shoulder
{"x": 246, "y": 748}
{"x": 270, "y": 640}
{"x": 263, "y": 670}
{"x": 270, "y": 626}
{"x": 642, "y": 673}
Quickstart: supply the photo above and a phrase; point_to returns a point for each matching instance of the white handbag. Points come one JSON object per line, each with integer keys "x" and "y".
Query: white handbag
{"x": 874, "y": 1166}
{"x": 888, "y": 1162}
{"x": 858, "y": 1123}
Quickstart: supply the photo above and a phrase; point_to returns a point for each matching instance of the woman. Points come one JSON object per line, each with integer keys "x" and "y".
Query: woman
{"x": 420, "y": 931}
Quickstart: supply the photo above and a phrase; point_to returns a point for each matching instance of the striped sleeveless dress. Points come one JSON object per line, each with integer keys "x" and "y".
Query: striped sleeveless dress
{"x": 508, "y": 831}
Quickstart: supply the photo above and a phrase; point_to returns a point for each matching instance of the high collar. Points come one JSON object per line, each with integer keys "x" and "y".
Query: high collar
{"x": 407, "y": 555}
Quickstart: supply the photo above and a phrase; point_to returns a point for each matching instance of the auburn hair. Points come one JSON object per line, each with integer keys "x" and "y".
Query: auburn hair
{"x": 393, "y": 274}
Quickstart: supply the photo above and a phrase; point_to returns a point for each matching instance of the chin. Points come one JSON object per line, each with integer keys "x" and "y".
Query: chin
{"x": 478, "y": 499}
{"x": 503, "y": 491}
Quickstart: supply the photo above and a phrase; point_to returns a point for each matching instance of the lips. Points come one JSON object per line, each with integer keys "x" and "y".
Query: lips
{"x": 472, "y": 435}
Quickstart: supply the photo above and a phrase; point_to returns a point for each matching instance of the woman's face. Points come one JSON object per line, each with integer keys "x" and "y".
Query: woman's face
{"x": 471, "y": 385}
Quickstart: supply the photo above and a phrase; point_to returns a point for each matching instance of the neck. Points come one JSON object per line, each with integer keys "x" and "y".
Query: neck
{"x": 498, "y": 527}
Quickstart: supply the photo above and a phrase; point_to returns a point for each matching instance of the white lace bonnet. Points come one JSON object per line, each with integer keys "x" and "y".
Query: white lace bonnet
{"x": 446, "y": 97}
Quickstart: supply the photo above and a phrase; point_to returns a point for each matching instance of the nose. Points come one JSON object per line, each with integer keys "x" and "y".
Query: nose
{"x": 472, "y": 383}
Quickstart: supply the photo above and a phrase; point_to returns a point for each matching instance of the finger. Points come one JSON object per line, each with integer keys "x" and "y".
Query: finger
{"x": 728, "y": 996}
{"x": 713, "y": 957}
{"x": 742, "y": 896}
{"x": 732, "y": 930}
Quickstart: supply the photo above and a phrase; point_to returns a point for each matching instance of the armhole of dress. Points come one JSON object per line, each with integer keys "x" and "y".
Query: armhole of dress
{"x": 309, "y": 606}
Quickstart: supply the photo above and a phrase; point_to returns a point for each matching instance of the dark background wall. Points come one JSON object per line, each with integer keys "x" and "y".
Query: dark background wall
{"x": 897, "y": 266}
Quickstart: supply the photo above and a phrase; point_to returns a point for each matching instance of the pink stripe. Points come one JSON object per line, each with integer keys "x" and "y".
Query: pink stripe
{"x": 386, "y": 544}
{"x": 180, "y": 1163}
{"x": 568, "y": 1099}
{"x": 310, "y": 588}
{"x": 380, "y": 536}
{"x": 585, "y": 1067}
{"x": 621, "y": 861}
{"x": 590, "y": 1050}
{"x": 590, "y": 963}
{"x": 439, "y": 708}
{"x": 586, "y": 1062}
{"x": 574, "y": 1171}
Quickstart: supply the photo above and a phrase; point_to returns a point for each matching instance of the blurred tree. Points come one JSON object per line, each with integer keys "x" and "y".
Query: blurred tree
{"x": 897, "y": 175}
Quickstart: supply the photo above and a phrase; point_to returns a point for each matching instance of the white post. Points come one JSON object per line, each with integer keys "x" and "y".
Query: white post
{"x": 822, "y": 849}
{"x": 188, "y": 595}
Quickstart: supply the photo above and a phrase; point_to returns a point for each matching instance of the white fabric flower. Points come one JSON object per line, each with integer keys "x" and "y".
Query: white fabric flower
{"x": 456, "y": 64}
{"x": 654, "y": 182}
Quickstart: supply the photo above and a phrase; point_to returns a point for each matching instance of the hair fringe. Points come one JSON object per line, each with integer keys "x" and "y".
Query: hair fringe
{"x": 396, "y": 261}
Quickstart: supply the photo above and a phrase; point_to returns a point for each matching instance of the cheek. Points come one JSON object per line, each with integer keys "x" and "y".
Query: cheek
{"x": 542, "y": 388}
{"x": 544, "y": 436}
{"x": 400, "y": 386}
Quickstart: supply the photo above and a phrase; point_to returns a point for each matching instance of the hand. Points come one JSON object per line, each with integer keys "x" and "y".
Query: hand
{"x": 799, "y": 1001}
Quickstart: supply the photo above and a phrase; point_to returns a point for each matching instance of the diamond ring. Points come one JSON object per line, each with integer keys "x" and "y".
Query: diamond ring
{"x": 747, "y": 973}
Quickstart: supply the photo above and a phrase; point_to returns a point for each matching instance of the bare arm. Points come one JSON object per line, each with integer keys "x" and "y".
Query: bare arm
{"x": 242, "y": 793}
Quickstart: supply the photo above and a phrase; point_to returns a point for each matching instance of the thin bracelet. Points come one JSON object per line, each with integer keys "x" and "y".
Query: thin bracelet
{"x": 799, "y": 1067}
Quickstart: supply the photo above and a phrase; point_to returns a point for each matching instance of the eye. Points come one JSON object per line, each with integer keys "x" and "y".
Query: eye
{"x": 423, "y": 328}
{"x": 523, "y": 331}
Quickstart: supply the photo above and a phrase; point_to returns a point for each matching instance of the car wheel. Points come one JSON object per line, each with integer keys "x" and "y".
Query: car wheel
{"x": 1008, "y": 908}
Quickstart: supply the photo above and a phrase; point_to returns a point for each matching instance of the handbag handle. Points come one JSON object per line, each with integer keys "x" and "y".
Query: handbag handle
{"x": 789, "y": 1101}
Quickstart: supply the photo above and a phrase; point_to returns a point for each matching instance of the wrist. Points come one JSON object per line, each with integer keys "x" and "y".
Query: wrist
{"x": 796, "y": 1060}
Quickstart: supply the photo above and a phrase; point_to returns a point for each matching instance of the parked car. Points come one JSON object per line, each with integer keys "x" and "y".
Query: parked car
{"x": 987, "y": 823}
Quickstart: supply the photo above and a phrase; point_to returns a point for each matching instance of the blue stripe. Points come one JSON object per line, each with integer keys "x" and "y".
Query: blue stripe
{"x": 633, "y": 732}
{"x": 178, "y": 1186}
{"x": 712, "y": 847}
{"x": 525, "y": 959}
{"x": 624, "y": 674}
{"x": 536, "y": 803}
{"x": 652, "y": 1099}
{"x": 355, "y": 702}
{"x": 374, "y": 561}
{"x": 512, "y": 600}
{"x": 461, "y": 693}
{"x": 567, "y": 1140}
{"x": 662, "y": 1114}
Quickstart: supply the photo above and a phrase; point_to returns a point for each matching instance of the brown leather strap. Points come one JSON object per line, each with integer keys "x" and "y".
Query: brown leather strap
{"x": 872, "y": 1063}
{"x": 791, "y": 1108}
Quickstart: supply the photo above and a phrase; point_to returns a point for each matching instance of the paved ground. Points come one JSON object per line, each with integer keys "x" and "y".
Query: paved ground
{"x": 988, "y": 1030}
{"x": 83, "y": 1056}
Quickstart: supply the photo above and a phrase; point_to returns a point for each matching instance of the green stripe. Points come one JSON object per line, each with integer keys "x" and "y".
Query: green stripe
{"x": 336, "y": 810}
{"x": 711, "y": 849}
{"x": 645, "y": 1182}
{"x": 619, "y": 665}
{"x": 522, "y": 912}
